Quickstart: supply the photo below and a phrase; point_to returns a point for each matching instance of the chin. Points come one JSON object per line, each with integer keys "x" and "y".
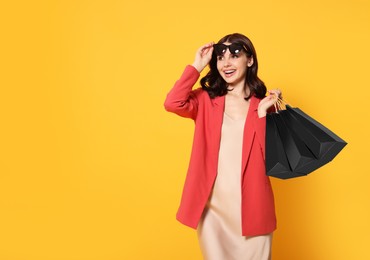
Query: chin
{"x": 231, "y": 81}
{"x": 228, "y": 80}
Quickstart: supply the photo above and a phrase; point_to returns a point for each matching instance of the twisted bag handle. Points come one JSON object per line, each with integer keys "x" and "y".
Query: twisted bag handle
{"x": 280, "y": 104}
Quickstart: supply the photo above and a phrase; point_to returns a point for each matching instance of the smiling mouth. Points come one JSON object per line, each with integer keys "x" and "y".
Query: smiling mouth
{"x": 229, "y": 73}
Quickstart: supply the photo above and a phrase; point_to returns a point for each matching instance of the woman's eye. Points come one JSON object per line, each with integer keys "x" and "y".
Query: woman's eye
{"x": 235, "y": 56}
{"x": 220, "y": 57}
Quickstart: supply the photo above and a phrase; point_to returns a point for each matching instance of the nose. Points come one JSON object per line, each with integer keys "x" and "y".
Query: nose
{"x": 227, "y": 59}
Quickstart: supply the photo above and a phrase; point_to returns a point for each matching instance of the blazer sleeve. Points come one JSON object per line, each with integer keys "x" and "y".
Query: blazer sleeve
{"x": 181, "y": 99}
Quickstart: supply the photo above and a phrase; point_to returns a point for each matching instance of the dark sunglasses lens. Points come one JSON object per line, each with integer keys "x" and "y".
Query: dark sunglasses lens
{"x": 220, "y": 49}
{"x": 235, "y": 48}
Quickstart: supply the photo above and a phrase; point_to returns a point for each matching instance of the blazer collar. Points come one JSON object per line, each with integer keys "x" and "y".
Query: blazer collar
{"x": 254, "y": 103}
{"x": 219, "y": 101}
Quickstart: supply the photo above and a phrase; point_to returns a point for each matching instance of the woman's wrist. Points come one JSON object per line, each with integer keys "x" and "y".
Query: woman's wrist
{"x": 261, "y": 113}
{"x": 197, "y": 66}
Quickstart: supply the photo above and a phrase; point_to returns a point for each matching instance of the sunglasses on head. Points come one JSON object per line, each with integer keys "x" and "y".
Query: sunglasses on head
{"x": 234, "y": 48}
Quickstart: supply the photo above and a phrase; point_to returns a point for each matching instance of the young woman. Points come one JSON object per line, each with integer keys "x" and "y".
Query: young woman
{"x": 227, "y": 196}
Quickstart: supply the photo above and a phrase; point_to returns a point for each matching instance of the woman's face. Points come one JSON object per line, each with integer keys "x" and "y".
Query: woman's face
{"x": 233, "y": 67}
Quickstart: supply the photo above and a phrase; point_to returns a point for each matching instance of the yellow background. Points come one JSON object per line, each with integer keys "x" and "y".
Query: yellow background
{"x": 92, "y": 167}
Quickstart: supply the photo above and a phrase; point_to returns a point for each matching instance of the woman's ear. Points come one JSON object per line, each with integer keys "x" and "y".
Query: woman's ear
{"x": 250, "y": 61}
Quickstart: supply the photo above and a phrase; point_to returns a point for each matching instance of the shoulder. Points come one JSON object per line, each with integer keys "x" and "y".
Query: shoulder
{"x": 257, "y": 99}
{"x": 200, "y": 93}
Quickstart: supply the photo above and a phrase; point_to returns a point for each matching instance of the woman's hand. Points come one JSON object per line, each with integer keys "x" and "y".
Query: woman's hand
{"x": 203, "y": 56}
{"x": 268, "y": 101}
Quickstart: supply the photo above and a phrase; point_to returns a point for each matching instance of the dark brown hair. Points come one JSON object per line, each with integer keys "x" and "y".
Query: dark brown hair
{"x": 215, "y": 85}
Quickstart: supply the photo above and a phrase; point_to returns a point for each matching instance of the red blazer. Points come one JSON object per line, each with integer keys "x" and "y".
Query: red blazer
{"x": 258, "y": 210}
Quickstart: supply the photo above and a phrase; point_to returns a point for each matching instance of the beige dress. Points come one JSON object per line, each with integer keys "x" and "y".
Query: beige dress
{"x": 219, "y": 232}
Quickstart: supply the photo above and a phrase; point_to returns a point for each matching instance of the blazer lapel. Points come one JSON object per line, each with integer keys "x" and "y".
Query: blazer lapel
{"x": 249, "y": 132}
{"x": 216, "y": 125}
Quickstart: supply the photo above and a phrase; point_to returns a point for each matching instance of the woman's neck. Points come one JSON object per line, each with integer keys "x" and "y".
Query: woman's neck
{"x": 238, "y": 90}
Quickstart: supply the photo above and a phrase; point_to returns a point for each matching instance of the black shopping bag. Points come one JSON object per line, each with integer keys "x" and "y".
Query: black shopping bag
{"x": 306, "y": 144}
{"x": 277, "y": 164}
{"x": 296, "y": 150}
{"x": 323, "y": 142}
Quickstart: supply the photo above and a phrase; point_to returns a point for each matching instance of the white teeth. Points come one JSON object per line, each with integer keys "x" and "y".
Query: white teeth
{"x": 229, "y": 71}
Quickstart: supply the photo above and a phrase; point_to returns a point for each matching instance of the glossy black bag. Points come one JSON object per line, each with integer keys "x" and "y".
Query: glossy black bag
{"x": 296, "y": 144}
